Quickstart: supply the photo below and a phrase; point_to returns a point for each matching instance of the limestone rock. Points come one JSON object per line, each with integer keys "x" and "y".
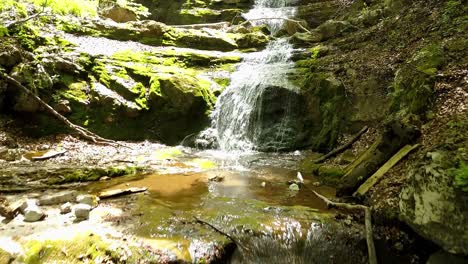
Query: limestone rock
{"x": 58, "y": 198}
{"x": 91, "y": 200}
{"x": 32, "y": 213}
{"x": 82, "y": 211}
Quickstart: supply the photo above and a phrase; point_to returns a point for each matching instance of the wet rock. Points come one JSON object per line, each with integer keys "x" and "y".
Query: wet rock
{"x": 65, "y": 208}
{"x": 294, "y": 187}
{"x": 216, "y": 178}
{"x": 82, "y": 211}
{"x": 32, "y": 213}
{"x": 89, "y": 199}
{"x": 58, "y": 198}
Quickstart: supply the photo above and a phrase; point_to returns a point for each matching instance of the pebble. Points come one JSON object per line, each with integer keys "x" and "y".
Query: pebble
{"x": 82, "y": 211}
{"x": 263, "y": 184}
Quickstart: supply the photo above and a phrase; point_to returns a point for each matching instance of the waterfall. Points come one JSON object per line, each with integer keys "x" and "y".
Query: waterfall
{"x": 247, "y": 115}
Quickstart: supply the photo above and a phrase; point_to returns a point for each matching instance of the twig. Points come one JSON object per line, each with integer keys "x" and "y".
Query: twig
{"x": 343, "y": 147}
{"x": 235, "y": 241}
{"x": 368, "y": 223}
{"x": 26, "y": 19}
{"x": 83, "y": 132}
{"x": 278, "y": 18}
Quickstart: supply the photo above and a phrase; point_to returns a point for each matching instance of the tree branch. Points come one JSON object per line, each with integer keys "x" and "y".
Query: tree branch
{"x": 26, "y": 19}
{"x": 368, "y": 223}
{"x": 343, "y": 147}
{"x": 83, "y": 132}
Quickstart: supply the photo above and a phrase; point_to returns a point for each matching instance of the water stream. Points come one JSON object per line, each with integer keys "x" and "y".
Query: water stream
{"x": 245, "y": 115}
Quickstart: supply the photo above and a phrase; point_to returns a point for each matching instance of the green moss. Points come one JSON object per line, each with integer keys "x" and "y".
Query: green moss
{"x": 414, "y": 82}
{"x": 85, "y": 246}
{"x": 330, "y": 175}
{"x": 461, "y": 177}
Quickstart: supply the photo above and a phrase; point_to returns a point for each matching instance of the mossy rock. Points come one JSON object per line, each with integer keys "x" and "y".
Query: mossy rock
{"x": 414, "y": 82}
{"x": 330, "y": 175}
{"x": 89, "y": 174}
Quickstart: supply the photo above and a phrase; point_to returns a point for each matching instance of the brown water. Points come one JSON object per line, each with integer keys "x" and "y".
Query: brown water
{"x": 250, "y": 195}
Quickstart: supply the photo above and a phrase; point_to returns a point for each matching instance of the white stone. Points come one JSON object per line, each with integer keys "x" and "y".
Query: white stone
{"x": 89, "y": 199}
{"x": 58, "y": 198}
{"x": 33, "y": 213}
{"x": 65, "y": 208}
{"x": 82, "y": 211}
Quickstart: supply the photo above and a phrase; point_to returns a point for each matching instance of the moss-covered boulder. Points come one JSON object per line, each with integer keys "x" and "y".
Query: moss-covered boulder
{"x": 435, "y": 201}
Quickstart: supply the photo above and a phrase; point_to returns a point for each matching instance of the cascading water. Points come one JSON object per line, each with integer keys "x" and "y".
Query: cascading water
{"x": 258, "y": 110}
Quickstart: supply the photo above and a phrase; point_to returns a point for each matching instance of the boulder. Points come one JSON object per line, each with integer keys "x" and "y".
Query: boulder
{"x": 82, "y": 211}
{"x": 58, "y": 198}
{"x": 433, "y": 206}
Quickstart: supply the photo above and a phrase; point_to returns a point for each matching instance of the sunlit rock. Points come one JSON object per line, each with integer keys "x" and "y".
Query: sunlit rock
{"x": 82, "y": 211}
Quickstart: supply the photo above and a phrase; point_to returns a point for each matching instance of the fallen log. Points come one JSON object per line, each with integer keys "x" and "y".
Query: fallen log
{"x": 120, "y": 192}
{"x": 364, "y": 188}
{"x": 343, "y": 147}
{"x": 395, "y": 136}
{"x": 82, "y": 132}
{"x": 368, "y": 223}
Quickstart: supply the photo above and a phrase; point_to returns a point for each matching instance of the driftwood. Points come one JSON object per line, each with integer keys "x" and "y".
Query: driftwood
{"x": 120, "y": 192}
{"x": 368, "y": 223}
{"x": 364, "y": 188}
{"x": 83, "y": 132}
{"x": 343, "y": 147}
{"x": 49, "y": 154}
{"x": 297, "y": 22}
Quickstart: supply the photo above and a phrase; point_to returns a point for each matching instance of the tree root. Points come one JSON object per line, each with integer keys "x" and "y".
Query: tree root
{"x": 368, "y": 223}
{"x": 82, "y": 132}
